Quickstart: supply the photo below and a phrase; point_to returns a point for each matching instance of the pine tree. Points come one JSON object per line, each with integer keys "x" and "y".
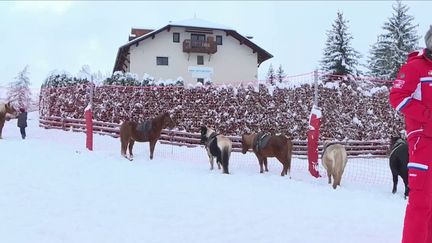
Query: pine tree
{"x": 19, "y": 90}
{"x": 280, "y": 74}
{"x": 339, "y": 58}
{"x": 390, "y": 51}
{"x": 58, "y": 79}
{"x": 271, "y": 75}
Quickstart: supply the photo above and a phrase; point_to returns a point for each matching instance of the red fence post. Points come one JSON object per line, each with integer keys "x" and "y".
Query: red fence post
{"x": 89, "y": 127}
{"x": 88, "y": 113}
{"x": 313, "y": 135}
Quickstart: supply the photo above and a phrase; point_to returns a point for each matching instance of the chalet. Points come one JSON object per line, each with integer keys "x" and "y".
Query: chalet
{"x": 193, "y": 49}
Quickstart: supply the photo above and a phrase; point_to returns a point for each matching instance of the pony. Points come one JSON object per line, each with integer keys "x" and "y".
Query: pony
{"x": 398, "y": 161}
{"x": 218, "y": 146}
{"x": 268, "y": 145}
{"x": 5, "y": 108}
{"x": 334, "y": 159}
{"x": 148, "y": 131}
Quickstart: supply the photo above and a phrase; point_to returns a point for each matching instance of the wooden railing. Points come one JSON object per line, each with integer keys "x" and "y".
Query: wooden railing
{"x": 199, "y": 46}
{"x": 375, "y": 148}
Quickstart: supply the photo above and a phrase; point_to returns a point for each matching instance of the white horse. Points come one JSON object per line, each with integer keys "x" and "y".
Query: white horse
{"x": 217, "y": 146}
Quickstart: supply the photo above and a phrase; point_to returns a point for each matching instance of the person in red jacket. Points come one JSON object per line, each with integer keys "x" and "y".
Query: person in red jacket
{"x": 411, "y": 95}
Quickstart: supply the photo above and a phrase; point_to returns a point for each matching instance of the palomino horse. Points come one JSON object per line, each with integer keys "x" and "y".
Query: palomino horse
{"x": 5, "y": 108}
{"x": 398, "y": 161}
{"x": 148, "y": 131}
{"x": 334, "y": 159}
{"x": 268, "y": 145}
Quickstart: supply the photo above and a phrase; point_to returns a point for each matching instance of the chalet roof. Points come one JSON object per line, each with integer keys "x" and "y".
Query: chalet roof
{"x": 197, "y": 22}
{"x": 263, "y": 55}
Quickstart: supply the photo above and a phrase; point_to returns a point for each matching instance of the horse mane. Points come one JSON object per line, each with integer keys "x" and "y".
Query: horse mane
{"x": 394, "y": 139}
{"x": 161, "y": 116}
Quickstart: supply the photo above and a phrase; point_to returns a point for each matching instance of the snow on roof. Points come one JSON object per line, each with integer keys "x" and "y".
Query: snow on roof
{"x": 196, "y": 22}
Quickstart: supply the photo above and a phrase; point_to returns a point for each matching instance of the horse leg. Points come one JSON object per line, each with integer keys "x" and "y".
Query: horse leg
{"x": 329, "y": 174}
{"x": 284, "y": 164}
{"x": 265, "y": 164}
{"x": 1, "y": 128}
{"x": 404, "y": 175}
{"x": 152, "y": 147}
{"x": 405, "y": 180}
{"x": 395, "y": 181}
{"x": 131, "y": 144}
{"x": 211, "y": 161}
{"x": 123, "y": 147}
{"x": 336, "y": 180}
{"x": 260, "y": 161}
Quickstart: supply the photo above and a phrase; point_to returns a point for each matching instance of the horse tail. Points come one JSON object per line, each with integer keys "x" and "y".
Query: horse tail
{"x": 125, "y": 133}
{"x": 226, "y": 153}
{"x": 339, "y": 160}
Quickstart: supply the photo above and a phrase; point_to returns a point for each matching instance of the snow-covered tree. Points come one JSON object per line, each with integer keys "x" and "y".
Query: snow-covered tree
{"x": 339, "y": 58}
{"x": 271, "y": 77}
{"x": 58, "y": 79}
{"x": 19, "y": 90}
{"x": 180, "y": 81}
{"x": 280, "y": 74}
{"x": 390, "y": 51}
{"x": 125, "y": 79}
{"x": 147, "y": 80}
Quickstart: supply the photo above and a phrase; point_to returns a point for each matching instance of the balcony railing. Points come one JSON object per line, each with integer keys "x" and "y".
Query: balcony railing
{"x": 199, "y": 46}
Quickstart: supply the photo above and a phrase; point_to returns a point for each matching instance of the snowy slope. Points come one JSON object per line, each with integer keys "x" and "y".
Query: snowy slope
{"x": 54, "y": 190}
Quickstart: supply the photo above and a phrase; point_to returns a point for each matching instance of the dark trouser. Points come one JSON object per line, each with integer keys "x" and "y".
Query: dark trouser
{"x": 23, "y": 133}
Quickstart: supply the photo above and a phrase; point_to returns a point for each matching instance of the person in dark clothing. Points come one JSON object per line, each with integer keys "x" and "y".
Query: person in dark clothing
{"x": 22, "y": 122}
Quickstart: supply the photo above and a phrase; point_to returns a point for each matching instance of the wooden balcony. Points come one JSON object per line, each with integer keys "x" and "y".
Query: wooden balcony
{"x": 208, "y": 46}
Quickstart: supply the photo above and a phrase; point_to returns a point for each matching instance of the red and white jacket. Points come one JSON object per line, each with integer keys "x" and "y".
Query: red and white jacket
{"x": 411, "y": 94}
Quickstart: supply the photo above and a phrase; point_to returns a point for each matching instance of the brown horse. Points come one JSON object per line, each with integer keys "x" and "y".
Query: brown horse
{"x": 5, "y": 108}
{"x": 148, "y": 131}
{"x": 268, "y": 145}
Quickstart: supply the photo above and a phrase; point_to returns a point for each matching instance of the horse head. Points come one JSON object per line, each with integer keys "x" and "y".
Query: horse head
{"x": 247, "y": 141}
{"x": 168, "y": 121}
{"x": 8, "y": 108}
{"x": 393, "y": 140}
{"x": 205, "y": 134}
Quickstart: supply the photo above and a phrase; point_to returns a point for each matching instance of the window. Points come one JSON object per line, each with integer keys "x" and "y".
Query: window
{"x": 200, "y": 60}
{"x": 198, "y": 37}
{"x": 197, "y": 40}
{"x": 176, "y": 37}
{"x": 219, "y": 39}
{"x": 200, "y": 80}
{"x": 162, "y": 61}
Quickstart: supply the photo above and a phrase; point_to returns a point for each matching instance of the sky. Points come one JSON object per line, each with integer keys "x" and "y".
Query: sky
{"x": 60, "y": 192}
{"x": 65, "y": 35}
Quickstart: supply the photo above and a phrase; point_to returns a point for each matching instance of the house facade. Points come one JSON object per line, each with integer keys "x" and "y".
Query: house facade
{"x": 193, "y": 49}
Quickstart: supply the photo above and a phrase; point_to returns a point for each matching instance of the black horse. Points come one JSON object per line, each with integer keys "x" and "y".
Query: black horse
{"x": 398, "y": 161}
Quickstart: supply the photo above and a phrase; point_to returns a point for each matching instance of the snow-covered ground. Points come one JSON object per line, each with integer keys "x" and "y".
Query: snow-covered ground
{"x": 53, "y": 190}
